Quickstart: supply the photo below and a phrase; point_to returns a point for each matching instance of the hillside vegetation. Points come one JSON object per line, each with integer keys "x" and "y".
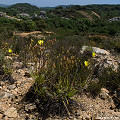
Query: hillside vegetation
{"x": 23, "y": 8}
{"x": 49, "y": 57}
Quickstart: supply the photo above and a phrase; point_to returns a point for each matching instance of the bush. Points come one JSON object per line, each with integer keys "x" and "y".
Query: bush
{"x": 59, "y": 72}
{"x": 25, "y": 25}
{"x": 40, "y": 24}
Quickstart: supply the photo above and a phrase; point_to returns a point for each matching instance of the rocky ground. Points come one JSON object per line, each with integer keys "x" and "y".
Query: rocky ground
{"x": 12, "y": 108}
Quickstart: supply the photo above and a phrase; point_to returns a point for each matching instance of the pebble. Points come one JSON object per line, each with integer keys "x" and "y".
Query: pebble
{"x": 3, "y": 106}
{"x": 116, "y": 114}
{"x": 6, "y": 118}
{"x": 1, "y": 94}
{"x": 8, "y": 95}
{"x": 11, "y": 112}
{"x": 11, "y": 87}
{"x": 71, "y": 117}
{"x": 98, "y": 118}
{"x": 1, "y": 115}
{"x": 0, "y": 87}
{"x": 87, "y": 117}
{"x": 30, "y": 107}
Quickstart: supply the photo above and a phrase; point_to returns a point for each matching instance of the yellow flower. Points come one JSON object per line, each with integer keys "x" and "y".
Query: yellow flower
{"x": 40, "y": 42}
{"x": 93, "y": 54}
{"x": 86, "y": 63}
{"x": 10, "y": 50}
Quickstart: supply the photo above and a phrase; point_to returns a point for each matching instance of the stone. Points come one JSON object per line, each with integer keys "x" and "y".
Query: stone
{"x": 97, "y": 106}
{"x": 71, "y": 117}
{"x": 100, "y": 51}
{"x": 96, "y": 50}
{"x": 0, "y": 87}
{"x": 117, "y": 114}
{"x": 2, "y": 93}
{"x": 31, "y": 117}
{"x": 30, "y": 107}
{"x": 3, "y": 106}
{"x": 78, "y": 113}
{"x": 1, "y": 115}
{"x": 80, "y": 118}
{"x": 75, "y": 119}
{"x": 17, "y": 65}
{"x": 8, "y": 58}
{"x": 8, "y": 95}
{"x": 27, "y": 74}
{"x": 6, "y": 118}
{"x": 49, "y": 118}
{"x": 11, "y": 87}
{"x": 103, "y": 95}
{"x": 98, "y": 118}
{"x": 104, "y": 90}
{"x": 11, "y": 112}
{"x": 87, "y": 117}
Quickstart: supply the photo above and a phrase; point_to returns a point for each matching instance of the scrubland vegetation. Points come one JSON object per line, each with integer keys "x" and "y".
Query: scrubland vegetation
{"x": 59, "y": 69}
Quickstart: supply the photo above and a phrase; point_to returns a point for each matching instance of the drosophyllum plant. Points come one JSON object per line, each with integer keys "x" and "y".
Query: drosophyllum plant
{"x": 6, "y": 62}
{"x": 63, "y": 71}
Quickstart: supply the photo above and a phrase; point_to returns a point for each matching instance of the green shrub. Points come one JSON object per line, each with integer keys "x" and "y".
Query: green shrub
{"x": 107, "y": 78}
{"x": 60, "y": 71}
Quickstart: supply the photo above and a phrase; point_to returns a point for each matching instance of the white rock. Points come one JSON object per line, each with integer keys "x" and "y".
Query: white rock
{"x": 8, "y": 58}
{"x": 0, "y": 87}
{"x": 100, "y": 51}
{"x": 8, "y": 95}
{"x": 1, "y": 94}
{"x": 1, "y": 115}
{"x": 30, "y": 107}
{"x": 95, "y": 49}
{"x": 11, "y": 87}
{"x": 11, "y": 112}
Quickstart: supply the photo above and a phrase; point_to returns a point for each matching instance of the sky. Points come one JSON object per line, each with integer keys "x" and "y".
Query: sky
{"x": 51, "y": 3}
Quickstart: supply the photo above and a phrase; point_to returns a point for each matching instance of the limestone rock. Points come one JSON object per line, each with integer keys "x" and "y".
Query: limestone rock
{"x": 103, "y": 95}
{"x": 8, "y": 95}
{"x": 96, "y": 50}
{"x": 1, "y": 94}
{"x": 103, "y": 56}
{"x": 11, "y": 112}
{"x": 8, "y": 58}
{"x": 117, "y": 114}
{"x": 1, "y": 115}
{"x": 100, "y": 51}
{"x": 11, "y": 87}
{"x": 30, "y": 107}
{"x": 3, "y": 107}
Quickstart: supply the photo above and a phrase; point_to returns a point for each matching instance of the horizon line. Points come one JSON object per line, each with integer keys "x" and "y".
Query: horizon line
{"x": 58, "y": 5}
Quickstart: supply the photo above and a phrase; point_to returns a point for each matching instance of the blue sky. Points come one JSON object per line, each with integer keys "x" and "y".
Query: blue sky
{"x": 44, "y": 3}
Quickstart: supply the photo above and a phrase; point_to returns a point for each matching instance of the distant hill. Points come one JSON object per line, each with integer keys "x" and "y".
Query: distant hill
{"x": 74, "y": 12}
{"x": 24, "y": 8}
{"x": 5, "y": 6}
{"x": 104, "y": 10}
{"x": 2, "y": 9}
{"x": 91, "y": 12}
